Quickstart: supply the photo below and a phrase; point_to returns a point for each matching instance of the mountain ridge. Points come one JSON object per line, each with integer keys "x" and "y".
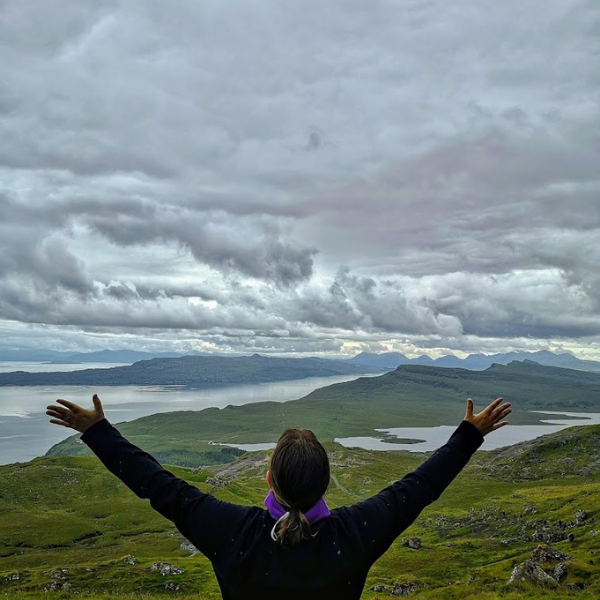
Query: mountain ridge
{"x": 476, "y": 362}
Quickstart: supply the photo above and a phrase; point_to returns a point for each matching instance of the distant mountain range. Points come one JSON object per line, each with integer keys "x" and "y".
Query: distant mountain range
{"x": 195, "y": 372}
{"x": 386, "y": 361}
{"x": 475, "y": 362}
{"x": 102, "y": 356}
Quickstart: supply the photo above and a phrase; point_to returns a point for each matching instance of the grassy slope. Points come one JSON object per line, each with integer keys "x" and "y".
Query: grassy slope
{"x": 69, "y": 513}
{"x": 409, "y": 396}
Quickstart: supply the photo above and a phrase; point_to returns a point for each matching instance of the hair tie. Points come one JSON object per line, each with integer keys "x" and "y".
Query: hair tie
{"x": 280, "y": 520}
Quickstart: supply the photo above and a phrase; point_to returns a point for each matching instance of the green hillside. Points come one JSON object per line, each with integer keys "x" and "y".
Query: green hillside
{"x": 409, "y": 396}
{"x": 68, "y": 525}
{"x": 195, "y": 372}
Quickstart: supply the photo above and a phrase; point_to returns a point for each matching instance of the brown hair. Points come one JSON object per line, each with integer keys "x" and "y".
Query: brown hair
{"x": 299, "y": 476}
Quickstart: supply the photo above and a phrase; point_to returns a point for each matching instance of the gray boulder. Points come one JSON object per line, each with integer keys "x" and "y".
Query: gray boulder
{"x": 413, "y": 542}
{"x": 560, "y": 572}
{"x": 544, "y": 553}
{"x": 529, "y": 572}
{"x": 166, "y": 569}
{"x": 404, "y": 588}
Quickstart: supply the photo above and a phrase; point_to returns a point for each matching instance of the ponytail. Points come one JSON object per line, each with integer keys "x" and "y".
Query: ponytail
{"x": 293, "y": 529}
{"x": 299, "y": 470}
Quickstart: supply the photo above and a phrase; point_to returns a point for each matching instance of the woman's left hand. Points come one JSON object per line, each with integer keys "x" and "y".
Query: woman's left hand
{"x": 73, "y": 416}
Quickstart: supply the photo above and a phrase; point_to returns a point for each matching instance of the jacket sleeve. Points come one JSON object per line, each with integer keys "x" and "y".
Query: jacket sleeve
{"x": 382, "y": 518}
{"x": 205, "y": 521}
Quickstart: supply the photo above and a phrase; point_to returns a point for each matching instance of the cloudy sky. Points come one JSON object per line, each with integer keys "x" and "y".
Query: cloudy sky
{"x": 309, "y": 177}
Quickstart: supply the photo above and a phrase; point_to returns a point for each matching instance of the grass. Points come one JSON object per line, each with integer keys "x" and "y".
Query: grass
{"x": 69, "y": 513}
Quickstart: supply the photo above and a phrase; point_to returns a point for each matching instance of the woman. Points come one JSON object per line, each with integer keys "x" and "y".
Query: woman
{"x": 297, "y": 548}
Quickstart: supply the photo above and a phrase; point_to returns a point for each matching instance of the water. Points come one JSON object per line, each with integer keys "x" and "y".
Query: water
{"x": 425, "y": 439}
{"x": 431, "y": 438}
{"x": 37, "y": 367}
{"x": 26, "y": 433}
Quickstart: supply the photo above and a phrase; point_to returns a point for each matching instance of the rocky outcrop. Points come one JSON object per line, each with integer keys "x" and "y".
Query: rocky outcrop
{"x": 174, "y": 587}
{"x": 413, "y": 542}
{"x": 560, "y": 572}
{"x": 545, "y": 554}
{"x": 59, "y": 574}
{"x": 217, "y": 482}
{"x": 400, "y": 588}
{"x": 529, "y": 571}
{"x": 190, "y": 548}
{"x": 247, "y": 463}
{"x": 55, "y": 586}
{"x": 166, "y": 569}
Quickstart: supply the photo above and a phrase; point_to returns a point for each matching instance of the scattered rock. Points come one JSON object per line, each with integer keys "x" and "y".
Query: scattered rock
{"x": 167, "y": 569}
{"x": 59, "y": 574}
{"x": 174, "y": 587}
{"x": 571, "y": 537}
{"x": 528, "y": 571}
{"x": 545, "y": 553}
{"x": 52, "y": 586}
{"x": 560, "y": 572}
{"x": 217, "y": 482}
{"x": 580, "y": 517}
{"x": 413, "y": 542}
{"x": 404, "y": 588}
{"x": 130, "y": 560}
{"x": 574, "y": 587}
{"x": 235, "y": 469}
{"x": 71, "y": 479}
{"x": 400, "y": 588}
{"x": 548, "y": 536}
{"x": 12, "y": 577}
{"x": 189, "y": 548}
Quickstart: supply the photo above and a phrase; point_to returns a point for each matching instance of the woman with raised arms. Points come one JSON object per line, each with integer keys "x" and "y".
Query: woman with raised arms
{"x": 297, "y": 547}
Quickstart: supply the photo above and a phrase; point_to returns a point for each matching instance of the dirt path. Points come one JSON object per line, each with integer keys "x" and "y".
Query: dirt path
{"x": 343, "y": 489}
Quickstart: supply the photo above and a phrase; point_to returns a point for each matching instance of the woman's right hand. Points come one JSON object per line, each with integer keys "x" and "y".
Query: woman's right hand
{"x": 490, "y": 418}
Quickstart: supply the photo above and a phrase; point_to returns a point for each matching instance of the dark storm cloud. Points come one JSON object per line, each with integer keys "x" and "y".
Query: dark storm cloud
{"x": 251, "y": 246}
{"x": 207, "y": 167}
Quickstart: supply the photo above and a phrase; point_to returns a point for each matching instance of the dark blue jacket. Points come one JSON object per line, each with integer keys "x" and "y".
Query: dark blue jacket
{"x": 236, "y": 539}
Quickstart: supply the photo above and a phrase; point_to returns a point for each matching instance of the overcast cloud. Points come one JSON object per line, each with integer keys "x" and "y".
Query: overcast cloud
{"x": 317, "y": 177}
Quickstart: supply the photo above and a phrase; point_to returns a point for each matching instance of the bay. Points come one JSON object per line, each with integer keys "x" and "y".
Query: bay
{"x": 25, "y": 431}
{"x": 426, "y": 439}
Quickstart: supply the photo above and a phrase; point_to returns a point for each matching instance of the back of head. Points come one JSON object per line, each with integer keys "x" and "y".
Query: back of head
{"x": 299, "y": 476}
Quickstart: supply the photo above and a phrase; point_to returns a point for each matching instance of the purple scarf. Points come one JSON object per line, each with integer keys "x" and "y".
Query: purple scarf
{"x": 316, "y": 513}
